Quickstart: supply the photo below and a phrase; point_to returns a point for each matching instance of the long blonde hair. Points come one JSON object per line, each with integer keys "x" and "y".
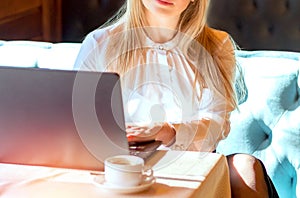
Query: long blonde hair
{"x": 192, "y": 22}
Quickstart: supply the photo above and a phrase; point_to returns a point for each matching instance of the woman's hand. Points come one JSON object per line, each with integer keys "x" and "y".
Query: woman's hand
{"x": 163, "y": 132}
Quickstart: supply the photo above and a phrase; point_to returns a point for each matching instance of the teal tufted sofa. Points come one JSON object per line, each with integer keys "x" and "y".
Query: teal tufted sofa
{"x": 38, "y": 54}
{"x": 266, "y": 125}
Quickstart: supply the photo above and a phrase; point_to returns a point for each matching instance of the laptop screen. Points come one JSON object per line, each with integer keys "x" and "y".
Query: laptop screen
{"x": 60, "y": 118}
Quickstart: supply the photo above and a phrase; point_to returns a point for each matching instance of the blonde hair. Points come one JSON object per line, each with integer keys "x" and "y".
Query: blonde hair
{"x": 192, "y": 22}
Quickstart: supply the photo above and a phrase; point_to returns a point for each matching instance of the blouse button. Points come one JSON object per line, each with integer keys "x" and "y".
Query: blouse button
{"x": 160, "y": 47}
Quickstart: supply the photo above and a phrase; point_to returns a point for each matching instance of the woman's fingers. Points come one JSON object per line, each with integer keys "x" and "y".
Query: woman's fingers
{"x": 140, "y": 133}
{"x": 144, "y": 133}
{"x": 139, "y": 139}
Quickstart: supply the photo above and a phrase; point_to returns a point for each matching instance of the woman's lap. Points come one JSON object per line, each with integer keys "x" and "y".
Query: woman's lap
{"x": 271, "y": 188}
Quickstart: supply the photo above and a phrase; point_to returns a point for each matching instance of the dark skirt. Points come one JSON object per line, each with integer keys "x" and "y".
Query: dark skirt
{"x": 271, "y": 188}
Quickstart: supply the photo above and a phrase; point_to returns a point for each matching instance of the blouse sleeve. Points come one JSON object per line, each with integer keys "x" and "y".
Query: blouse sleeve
{"x": 210, "y": 125}
{"x": 212, "y": 119}
{"x": 91, "y": 56}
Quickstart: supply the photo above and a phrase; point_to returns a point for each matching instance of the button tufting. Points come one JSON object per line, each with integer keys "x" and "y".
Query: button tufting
{"x": 287, "y": 5}
{"x": 271, "y": 29}
{"x": 254, "y": 4}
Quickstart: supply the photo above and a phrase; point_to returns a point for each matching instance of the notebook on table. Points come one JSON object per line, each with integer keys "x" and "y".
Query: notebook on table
{"x": 66, "y": 119}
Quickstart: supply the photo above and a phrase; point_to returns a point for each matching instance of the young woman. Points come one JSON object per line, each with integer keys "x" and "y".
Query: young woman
{"x": 178, "y": 78}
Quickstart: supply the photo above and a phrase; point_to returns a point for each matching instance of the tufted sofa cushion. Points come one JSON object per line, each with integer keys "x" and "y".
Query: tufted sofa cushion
{"x": 21, "y": 53}
{"x": 59, "y": 56}
{"x": 268, "y": 122}
{"x": 38, "y": 54}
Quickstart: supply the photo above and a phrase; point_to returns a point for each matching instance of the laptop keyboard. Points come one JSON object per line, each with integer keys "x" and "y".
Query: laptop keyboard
{"x": 144, "y": 149}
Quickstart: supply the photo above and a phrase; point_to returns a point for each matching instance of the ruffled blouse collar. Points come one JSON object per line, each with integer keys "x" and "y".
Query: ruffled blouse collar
{"x": 168, "y": 45}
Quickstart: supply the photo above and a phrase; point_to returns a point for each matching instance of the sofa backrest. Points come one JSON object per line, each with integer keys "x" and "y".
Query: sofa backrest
{"x": 38, "y": 54}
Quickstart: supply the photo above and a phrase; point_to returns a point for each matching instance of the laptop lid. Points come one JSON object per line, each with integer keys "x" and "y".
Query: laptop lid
{"x": 60, "y": 118}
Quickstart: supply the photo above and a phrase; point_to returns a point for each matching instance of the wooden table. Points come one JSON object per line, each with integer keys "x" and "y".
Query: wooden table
{"x": 178, "y": 174}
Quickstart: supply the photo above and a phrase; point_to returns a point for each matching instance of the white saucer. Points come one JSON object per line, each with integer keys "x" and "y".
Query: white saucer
{"x": 100, "y": 182}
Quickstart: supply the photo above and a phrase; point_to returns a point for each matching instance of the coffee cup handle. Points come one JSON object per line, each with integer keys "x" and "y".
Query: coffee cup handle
{"x": 147, "y": 174}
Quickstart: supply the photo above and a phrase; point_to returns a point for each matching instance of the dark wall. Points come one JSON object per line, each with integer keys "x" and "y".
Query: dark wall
{"x": 259, "y": 24}
{"x": 82, "y": 16}
{"x": 253, "y": 24}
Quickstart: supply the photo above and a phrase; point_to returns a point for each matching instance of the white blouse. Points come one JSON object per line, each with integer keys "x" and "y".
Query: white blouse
{"x": 160, "y": 90}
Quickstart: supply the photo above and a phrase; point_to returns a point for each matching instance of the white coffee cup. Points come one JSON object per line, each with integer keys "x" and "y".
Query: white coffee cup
{"x": 126, "y": 171}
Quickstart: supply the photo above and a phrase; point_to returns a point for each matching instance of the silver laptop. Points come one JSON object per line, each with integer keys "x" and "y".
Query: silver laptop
{"x": 64, "y": 119}
{"x": 60, "y": 118}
